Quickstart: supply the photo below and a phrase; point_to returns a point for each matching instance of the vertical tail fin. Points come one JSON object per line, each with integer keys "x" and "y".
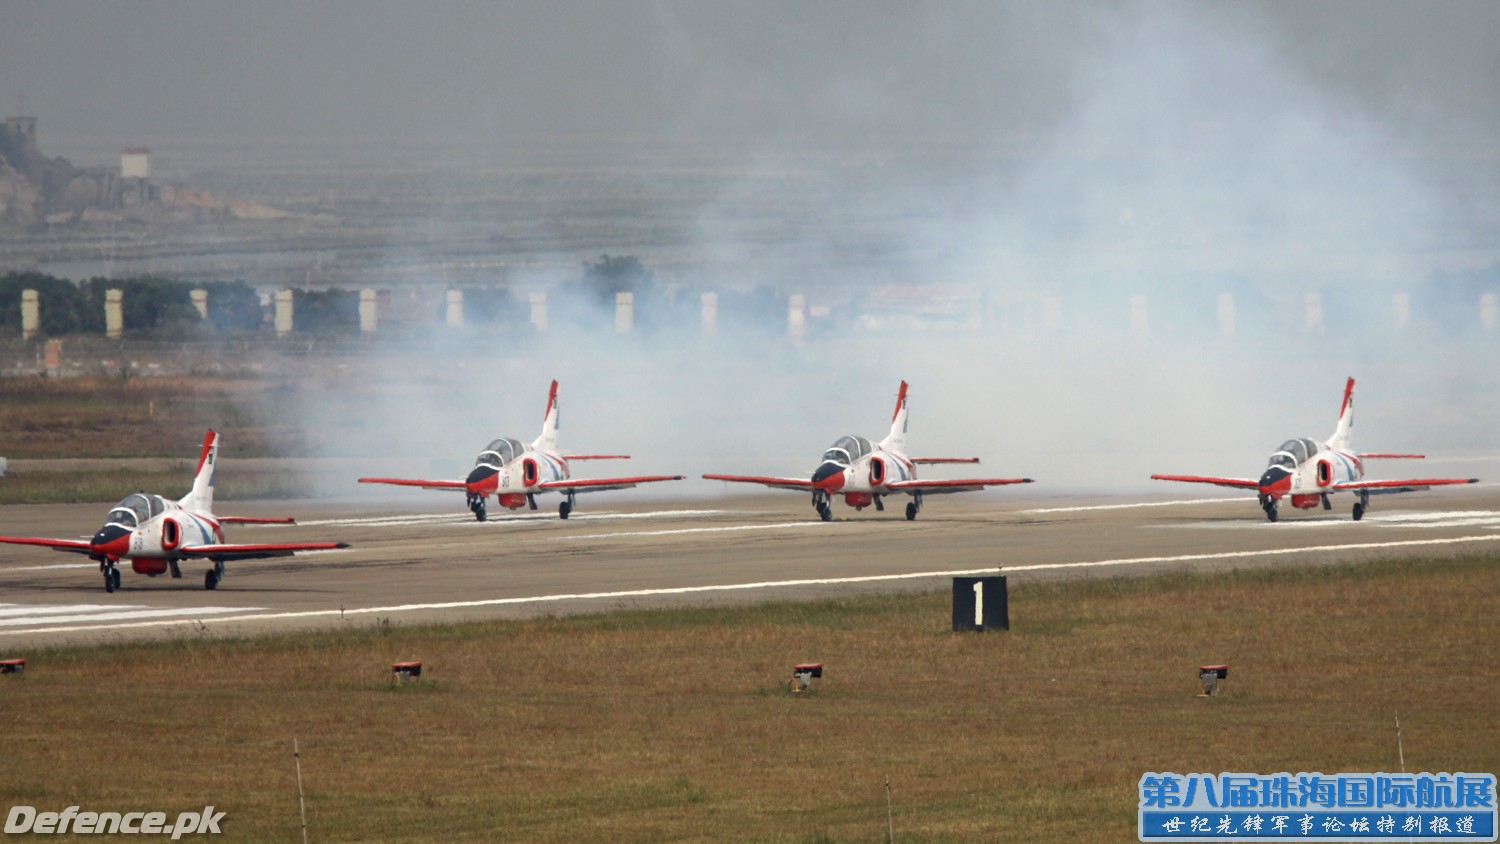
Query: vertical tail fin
{"x": 548, "y": 440}
{"x": 1340, "y": 438}
{"x": 896, "y": 440}
{"x": 201, "y": 499}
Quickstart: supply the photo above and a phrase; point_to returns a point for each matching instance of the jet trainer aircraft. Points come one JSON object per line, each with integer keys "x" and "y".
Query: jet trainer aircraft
{"x": 156, "y": 534}
{"x": 515, "y": 473}
{"x": 864, "y": 472}
{"x": 1309, "y": 471}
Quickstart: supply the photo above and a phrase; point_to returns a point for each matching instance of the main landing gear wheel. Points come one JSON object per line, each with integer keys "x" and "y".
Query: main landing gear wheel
{"x": 911, "y": 511}
{"x": 211, "y": 580}
{"x": 1359, "y": 511}
{"x": 564, "y": 509}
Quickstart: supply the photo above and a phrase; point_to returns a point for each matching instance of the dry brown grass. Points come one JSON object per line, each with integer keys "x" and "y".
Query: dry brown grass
{"x": 48, "y": 418}
{"x": 677, "y": 726}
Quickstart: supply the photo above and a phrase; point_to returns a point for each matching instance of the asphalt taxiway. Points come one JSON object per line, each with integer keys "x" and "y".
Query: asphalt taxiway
{"x": 435, "y": 564}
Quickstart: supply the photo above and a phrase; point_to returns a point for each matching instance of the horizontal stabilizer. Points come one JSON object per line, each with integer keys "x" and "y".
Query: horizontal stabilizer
{"x": 1245, "y": 483}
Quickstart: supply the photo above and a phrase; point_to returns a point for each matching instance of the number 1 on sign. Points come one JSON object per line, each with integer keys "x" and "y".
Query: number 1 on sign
{"x": 979, "y": 603}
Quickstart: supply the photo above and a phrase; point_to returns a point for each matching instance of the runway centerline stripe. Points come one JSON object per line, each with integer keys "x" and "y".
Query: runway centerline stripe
{"x": 739, "y": 587}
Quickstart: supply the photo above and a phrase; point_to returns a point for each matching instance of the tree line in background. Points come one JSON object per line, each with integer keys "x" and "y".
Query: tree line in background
{"x": 163, "y": 309}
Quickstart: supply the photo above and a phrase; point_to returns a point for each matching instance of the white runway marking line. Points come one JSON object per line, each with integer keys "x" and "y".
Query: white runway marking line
{"x": 1133, "y": 505}
{"x": 676, "y": 531}
{"x": 8, "y": 569}
{"x": 500, "y": 519}
{"x": 14, "y": 615}
{"x": 740, "y": 587}
{"x": 1416, "y": 520}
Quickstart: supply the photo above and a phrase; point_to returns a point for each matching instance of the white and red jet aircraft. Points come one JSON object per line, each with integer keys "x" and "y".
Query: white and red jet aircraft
{"x": 1309, "y": 471}
{"x": 155, "y": 533}
{"x": 865, "y": 472}
{"x": 515, "y": 473}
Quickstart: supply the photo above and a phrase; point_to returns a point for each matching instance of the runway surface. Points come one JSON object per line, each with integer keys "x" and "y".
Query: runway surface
{"x": 431, "y": 563}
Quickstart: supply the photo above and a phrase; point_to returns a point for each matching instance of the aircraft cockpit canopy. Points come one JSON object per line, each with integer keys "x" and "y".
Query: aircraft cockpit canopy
{"x": 501, "y": 452}
{"x": 1294, "y": 453}
{"x": 846, "y": 450}
{"x": 135, "y": 509}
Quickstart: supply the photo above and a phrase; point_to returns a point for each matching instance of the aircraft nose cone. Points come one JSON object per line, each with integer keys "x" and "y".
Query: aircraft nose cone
{"x": 1275, "y": 481}
{"x": 829, "y": 477}
{"x": 111, "y": 541}
{"x": 482, "y": 479}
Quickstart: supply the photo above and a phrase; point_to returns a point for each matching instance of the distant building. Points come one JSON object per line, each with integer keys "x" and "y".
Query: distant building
{"x": 135, "y": 163}
{"x": 23, "y": 129}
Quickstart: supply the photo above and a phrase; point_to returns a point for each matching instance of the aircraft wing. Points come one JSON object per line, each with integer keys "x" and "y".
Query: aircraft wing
{"x": 251, "y": 520}
{"x": 945, "y": 459}
{"x": 411, "y": 482}
{"x": 775, "y": 483}
{"x": 596, "y": 457}
{"x": 1246, "y": 483}
{"x": 1381, "y": 455}
{"x": 258, "y": 550}
{"x": 1403, "y": 486}
{"x": 954, "y": 485}
{"x": 76, "y": 545}
{"x": 603, "y": 484}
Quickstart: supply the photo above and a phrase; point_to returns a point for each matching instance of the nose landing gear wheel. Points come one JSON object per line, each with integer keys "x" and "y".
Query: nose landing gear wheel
{"x": 111, "y": 578}
{"x": 825, "y": 511}
{"x": 476, "y": 504}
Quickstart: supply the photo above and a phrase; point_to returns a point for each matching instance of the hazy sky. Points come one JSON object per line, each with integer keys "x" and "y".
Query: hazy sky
{"x": 826, "y": 72}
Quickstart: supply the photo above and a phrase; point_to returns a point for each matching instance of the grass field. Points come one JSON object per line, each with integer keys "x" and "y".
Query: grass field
{"x": 678, "y": 726}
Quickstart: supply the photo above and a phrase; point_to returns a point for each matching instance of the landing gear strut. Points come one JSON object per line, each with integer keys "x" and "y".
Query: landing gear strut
{"x": 531, "y": 500}
{"x": 111, "y": 575}
{"x": 824, "y": 505}
{"x": 1268, "y": 504}
{"x": 1361, "y": 505}
{"x": 476, "y": 503}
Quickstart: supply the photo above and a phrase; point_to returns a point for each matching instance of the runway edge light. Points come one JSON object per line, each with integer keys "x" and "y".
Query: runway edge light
{"x": 12, "y": 666}
{"x": 406, "y": 672}
{"x": 802, "y": 676}
{"x": 1209, "y": 677}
